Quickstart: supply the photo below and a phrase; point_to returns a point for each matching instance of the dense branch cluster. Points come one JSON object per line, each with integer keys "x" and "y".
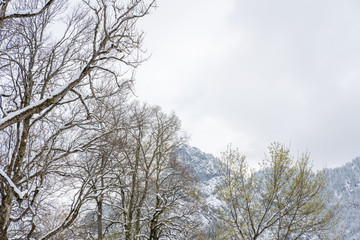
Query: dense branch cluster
{"x": 76, "y": 152}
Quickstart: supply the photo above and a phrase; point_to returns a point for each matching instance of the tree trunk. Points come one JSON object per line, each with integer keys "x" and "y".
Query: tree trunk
{"x": 99, "y": 217}
{"x": 3, "y": 7}
{"x": 100, "y": 206}
{"x": 5, "y": 210}
{"x": 153, "y": 230}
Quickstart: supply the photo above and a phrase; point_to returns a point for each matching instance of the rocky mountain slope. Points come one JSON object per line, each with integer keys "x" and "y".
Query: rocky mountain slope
{"x": 205, "y": 167}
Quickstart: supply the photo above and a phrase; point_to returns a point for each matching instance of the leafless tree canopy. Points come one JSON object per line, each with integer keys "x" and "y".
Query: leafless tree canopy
{"x": 79, "y": 160}
{"x": 142, "y": 190}
{"x": 49, "y": 78}
{"x": 97, "y": 36}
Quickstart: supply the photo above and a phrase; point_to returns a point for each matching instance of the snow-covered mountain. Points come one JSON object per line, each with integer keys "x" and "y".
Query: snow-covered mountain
{"x": 206, "y": 168}
{"x": 344, "y": 185}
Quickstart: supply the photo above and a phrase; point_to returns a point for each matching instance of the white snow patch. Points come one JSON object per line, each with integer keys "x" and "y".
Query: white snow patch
{"x": 40, "y": 102}
{"x": 21, "y": 194}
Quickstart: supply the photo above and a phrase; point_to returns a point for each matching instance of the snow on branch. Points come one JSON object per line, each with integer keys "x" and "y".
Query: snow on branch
{"x": 27, "y": 13}
{"x": 42, "y": 104}
{"x": 20, "y": 194}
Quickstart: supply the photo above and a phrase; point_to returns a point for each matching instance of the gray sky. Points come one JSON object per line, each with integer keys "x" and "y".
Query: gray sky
{"x": 253, "y": 72}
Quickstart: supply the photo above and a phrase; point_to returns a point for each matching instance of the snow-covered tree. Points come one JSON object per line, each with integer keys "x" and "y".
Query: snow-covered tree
{"x": 142, "y": 190}
{"x": 47, "y": 81}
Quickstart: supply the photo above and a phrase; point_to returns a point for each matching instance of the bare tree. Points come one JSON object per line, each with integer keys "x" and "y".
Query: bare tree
{"x": 101, "y": 163}
{"x": 47, "y": 83}
{"x": 172, "y": 207}
{"x": 173, "y": 200}
{"x": 143, "y": 191}
{"x": 94, "y": 38}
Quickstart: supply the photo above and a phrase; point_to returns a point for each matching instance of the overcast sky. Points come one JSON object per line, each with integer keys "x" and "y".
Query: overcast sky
{"x": 253, "y": 72}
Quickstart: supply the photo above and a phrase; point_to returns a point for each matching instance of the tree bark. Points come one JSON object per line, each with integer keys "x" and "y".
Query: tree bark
{"x": 99, "y": 217}
{"x": 5, "y": 209}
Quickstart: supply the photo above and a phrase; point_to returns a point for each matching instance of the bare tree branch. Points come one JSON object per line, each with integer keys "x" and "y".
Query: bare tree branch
{"x": 22, "y": 14}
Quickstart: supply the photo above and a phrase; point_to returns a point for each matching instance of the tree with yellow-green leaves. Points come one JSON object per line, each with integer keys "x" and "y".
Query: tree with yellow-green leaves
{"x": 285, "y": 199}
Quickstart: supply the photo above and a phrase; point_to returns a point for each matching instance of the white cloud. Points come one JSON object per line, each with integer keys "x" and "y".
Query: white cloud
{"x": 254, "y": 72}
